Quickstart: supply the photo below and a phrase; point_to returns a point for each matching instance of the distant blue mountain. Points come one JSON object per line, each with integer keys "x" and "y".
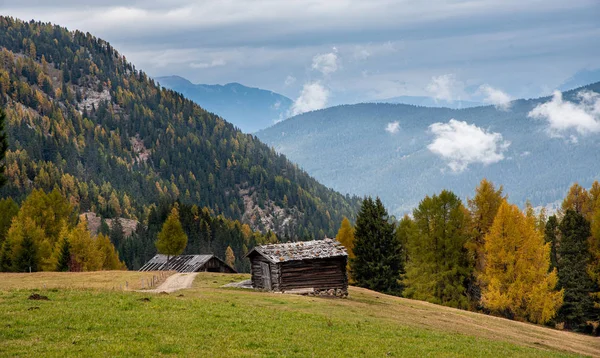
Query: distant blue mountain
{"x": 422, "y": 101}
{"x": 250, "y": 109}
{"x": 382, "y": 149}
{"x": 581, "y": 78}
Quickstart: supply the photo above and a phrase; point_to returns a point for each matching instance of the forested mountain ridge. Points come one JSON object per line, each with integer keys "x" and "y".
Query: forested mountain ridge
{"x": 250, "y": 109}
{"x": 382, "y": 149}
{"x": 84, "y": 120}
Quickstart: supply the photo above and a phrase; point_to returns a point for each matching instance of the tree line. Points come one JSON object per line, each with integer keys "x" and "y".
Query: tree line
{"x": 487, "y": 256}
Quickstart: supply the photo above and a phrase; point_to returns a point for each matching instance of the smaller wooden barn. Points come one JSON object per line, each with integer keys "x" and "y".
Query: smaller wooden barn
{"x": 311, "y": 267}
{"x": 188, "y": 263}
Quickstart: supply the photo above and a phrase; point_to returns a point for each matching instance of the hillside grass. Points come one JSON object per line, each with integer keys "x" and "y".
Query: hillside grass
{"x": 211, "y": 321}
{"x": 112, "y": 280}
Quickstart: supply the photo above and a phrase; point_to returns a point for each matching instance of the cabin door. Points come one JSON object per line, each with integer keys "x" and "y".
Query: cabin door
{"x": 266, "y": 275}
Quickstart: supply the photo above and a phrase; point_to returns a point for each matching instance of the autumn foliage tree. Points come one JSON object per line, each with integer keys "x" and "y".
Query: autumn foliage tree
{"x": 518, "y": 283}
{"x": 171, "y": 239}
{"x": 229, "y": 257}
{"x": 483, "y": 209}
{"x": 345, "y": 236}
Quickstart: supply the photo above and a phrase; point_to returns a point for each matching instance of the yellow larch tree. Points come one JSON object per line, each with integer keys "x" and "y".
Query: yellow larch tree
{"x": 517, "y": 282}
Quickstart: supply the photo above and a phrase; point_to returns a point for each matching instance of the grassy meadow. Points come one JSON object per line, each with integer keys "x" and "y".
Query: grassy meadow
{"x": 211, "y": 321}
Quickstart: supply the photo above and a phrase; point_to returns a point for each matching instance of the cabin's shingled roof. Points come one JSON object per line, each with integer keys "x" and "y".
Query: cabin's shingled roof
{"x": 303, "y": 250}
{"x": 181, "y": 263}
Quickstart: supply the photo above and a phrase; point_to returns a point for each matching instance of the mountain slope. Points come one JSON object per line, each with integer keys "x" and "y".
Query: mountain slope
{"x": 430, "y": 102}
{"x": 349, "y": 149}
{"x": 84, "y": 120}
{"x": 250, "y": 109}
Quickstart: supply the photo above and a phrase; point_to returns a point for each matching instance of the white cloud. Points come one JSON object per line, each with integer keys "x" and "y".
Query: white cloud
{"x": 313, "y": 96}
{"x": 393, "y": 127}
{"x": 213, "y": 63}
{"x": 564, "y": 116}
{"x": 289, "y": 80}
{"x": 496, "y": 97}
{"x": 446, "y": 88}
{"x": 462, "y": 144}
{"x": 326, "y": 63}
{"x": 361, "y": 54}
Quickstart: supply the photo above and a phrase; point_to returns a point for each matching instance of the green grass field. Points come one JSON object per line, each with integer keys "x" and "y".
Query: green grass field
{"x": 209, "y": 321}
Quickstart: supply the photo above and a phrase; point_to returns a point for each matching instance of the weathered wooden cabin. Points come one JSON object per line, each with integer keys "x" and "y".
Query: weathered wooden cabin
{"x": 310, "y": 267}
{"x": 188, "y": 263}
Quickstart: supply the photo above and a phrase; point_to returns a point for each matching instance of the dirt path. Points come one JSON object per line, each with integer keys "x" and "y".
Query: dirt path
{"x": 175, "y": 282}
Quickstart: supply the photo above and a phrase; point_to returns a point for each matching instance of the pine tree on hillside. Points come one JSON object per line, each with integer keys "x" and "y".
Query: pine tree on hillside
{"x": 116, "y": 232}
{"x": 3, "y": 147}
{"x": 26, "y": 259}
{"x": 517, "y": 282}
{"x": 171, "y": 239}
{"x": 573, "y": 277}
{"x": 439, "y": 267}
{"x": 551, "y": 235}
{"x": 378, "y": 254}
{"x": 64, "y": 258}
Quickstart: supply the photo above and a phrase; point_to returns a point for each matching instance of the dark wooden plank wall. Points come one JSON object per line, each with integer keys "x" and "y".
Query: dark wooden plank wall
{"x": 257, "y": 276}
{"x": 214, "y": 265}
{"x": 323, "y": 273}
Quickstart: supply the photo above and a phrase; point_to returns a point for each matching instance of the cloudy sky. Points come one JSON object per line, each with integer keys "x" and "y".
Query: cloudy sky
{"x": 339, "y": 51}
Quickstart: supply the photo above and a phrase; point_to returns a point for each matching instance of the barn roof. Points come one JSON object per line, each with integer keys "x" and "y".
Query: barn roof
{"x": 303, "y": 250}
{"x": 181, "y": 263}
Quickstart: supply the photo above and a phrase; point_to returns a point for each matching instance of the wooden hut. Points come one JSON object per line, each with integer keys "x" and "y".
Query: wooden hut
{"x": 310, "y": 267}
{"x": 188, "y": 263}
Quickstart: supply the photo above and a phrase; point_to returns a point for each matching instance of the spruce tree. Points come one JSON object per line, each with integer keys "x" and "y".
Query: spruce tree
{"x": 378, "y": 254}
{"x": 26, "y": 260}
{"x": 171, "y": 239}
{"x": 573, "y": 277}
{"x": 3, "y": 147}
{"x": 6, "y": 257}
{"x": 64, "y": 258}
{"x": 116, "y": 232}
{"x": 551, "y": 236}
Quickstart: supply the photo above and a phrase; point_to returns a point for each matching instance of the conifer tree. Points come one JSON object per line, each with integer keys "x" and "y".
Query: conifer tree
{"x": 116, "y": 232}
{"x": 229, "y": 257}
{"x": 172, "y": 240}
{"x": 517, "y": 281}
{"x": 3, "y": 147}
{"x": 26, "y": 257}
{"x": 6, "y": 257}
{"x": 345, "y": 236}
{"x": 405, "y": 230}
{"x": 8, "y": 210}
{"x": 64, "y": 258}
{"x": 378, "y": 261}
{"x": 483, "y": 208}
{"x": 438, "y": 266}
{"x": 551, "y": 236}
{"x": 578, "y": 199}
{"x": 573, "y": 277}
{"x": 108, "y": 254}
